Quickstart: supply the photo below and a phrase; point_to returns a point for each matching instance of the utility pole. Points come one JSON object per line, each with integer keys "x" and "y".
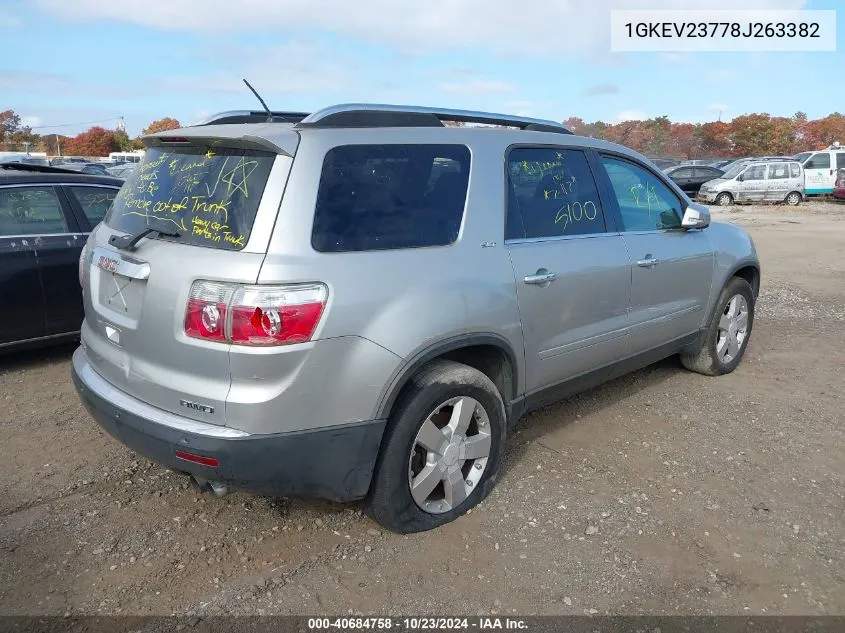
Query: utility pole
{"x": 58, "y": 146}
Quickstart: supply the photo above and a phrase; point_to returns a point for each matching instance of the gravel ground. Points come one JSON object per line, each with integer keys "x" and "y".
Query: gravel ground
{"x": 662, "y": 492}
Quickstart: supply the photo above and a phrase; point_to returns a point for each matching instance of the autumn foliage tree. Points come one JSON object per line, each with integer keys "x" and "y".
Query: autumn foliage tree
{"x": 823, "y": 132}
{"x": 13, "y": 133}
{"x": 97, "y": 141}
{"x": 162, "y": 125}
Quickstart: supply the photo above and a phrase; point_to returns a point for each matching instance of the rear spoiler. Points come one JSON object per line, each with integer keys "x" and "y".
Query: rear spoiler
{"x": 285, "y": 143}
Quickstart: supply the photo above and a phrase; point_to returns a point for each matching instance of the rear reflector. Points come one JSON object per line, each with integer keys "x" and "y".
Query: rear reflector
{"x": 198, "y": 459}
{"x": 254, "y": 315}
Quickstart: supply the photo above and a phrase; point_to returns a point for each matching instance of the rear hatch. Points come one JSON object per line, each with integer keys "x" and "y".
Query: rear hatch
{"x": 210, "y": 202}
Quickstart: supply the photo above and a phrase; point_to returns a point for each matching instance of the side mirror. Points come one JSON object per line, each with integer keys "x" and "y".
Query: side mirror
{"x": 696, "y": 217}
{"x": 740, "y": 178}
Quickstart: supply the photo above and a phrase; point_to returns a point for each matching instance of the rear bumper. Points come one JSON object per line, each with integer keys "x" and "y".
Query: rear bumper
{"x": 334, "y": 463}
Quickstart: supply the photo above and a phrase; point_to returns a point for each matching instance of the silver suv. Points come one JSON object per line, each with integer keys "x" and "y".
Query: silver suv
{"x": 357, "y": 303}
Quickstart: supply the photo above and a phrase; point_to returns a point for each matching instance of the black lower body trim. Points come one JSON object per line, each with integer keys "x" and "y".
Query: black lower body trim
{"x": 334, "y": 463}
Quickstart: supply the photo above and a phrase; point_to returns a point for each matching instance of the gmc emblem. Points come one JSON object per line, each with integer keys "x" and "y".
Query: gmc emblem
{"x": 197, "y": 407}
{"x": 107, "y": 263}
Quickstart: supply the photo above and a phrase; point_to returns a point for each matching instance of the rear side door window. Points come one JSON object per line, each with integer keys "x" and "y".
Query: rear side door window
{"x": 645, "y": 202}
{"x": 778, "y": 171}
{"x": 551, "y": 193}
{"x": 794, "y": 170}
{"x": 381, "y": 197}
{"x": 840, "y": 160}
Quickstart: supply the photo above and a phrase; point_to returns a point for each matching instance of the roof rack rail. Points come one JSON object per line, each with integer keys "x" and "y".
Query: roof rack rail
{"x": 251, "y": 116}
{"x": 385, "y": 115}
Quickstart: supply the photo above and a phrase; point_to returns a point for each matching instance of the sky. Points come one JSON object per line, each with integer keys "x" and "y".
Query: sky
{"x": 67, "y": 64}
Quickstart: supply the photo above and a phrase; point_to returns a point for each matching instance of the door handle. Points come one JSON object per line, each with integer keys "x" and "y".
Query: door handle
{"x": 540, "y": 278}
{"x": 648, "y": 262}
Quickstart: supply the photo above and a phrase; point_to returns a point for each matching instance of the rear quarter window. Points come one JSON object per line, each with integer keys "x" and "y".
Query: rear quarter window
{"x": 209, "y": 196}
{"x": 380, "y": 197}
{"x": 94, "y": 201}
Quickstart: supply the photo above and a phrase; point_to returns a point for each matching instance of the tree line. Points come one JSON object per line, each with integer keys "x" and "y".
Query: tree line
{"x": 15, "y": 136}
{"x": 746, "y": 135}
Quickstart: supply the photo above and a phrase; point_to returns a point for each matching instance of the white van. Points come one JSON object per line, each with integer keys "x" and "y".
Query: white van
{"x": 126, "y": 157}
{"x": 820, "y": 169}
{"x": 769, "y": 180}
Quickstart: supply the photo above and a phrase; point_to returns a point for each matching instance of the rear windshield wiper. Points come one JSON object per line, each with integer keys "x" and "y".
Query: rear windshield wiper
{"x": 130, "y": 242}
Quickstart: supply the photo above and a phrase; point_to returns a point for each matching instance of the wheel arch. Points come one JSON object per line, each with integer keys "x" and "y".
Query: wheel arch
{"x": 796, "y": 191}
{"x": 489, "y": 353}
{"x": 750, "y": 271}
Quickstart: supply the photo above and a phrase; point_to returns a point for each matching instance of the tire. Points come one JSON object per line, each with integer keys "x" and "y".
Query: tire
{"x": 717, "y": 356}
{"x": 403, "y": 459}
{"x": 724, "y": 199}
{"x": 793, "y": 198}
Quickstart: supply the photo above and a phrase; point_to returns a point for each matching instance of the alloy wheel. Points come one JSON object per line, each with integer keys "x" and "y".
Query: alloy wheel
{"x": 733, "y": 329}
{"x": 449, "y": 455}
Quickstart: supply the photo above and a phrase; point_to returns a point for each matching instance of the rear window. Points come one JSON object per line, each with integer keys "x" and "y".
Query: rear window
{"x": 208, "y": 196}
{"x": 378, "y": 197}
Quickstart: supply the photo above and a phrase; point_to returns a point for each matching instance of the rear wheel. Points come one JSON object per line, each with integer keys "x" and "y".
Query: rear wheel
{"x": 724, "y": 199}
{"x": 793, "y": 199}
{"x": 442, "y": 450}
{"x": 729, "y": 331}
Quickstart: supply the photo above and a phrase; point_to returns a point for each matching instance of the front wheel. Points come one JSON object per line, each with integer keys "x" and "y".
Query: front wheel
{"x": 793, "y": 199}
{"x": 442, "y": 449}
{"x": 729, "y": 331}
{"x": 724, "y": 199}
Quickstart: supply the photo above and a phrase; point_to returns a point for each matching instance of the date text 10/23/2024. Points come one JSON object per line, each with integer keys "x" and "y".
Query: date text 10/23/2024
{"x": 481, "y": 623}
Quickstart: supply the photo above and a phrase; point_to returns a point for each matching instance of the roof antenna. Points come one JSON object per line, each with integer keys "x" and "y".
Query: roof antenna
{"x": 258, "y": 96}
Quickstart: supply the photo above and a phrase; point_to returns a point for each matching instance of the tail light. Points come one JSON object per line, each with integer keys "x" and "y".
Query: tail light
{"x": 254, "y": 315}
{"x": 81, "y": 267}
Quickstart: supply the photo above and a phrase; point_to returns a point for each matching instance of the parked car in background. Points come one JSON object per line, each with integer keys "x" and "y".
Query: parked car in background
{"x": 25, "y": 159}
{"x": 820, "y": 169}
{"x": 721, "y": 164}
{"x": 45, "y": 217}
{"x": 279, "y": 335}
{"x": 665, "y": 163}
{"x": 839, "y": 185}
{"x": 95, "y": 169}
{"x": 757, "y": 180}
{"x": 127, "y": 157}
{"x": 122, "y": 171}
{"x": 690, "y": 177}
{"x": 60, "y": 161}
